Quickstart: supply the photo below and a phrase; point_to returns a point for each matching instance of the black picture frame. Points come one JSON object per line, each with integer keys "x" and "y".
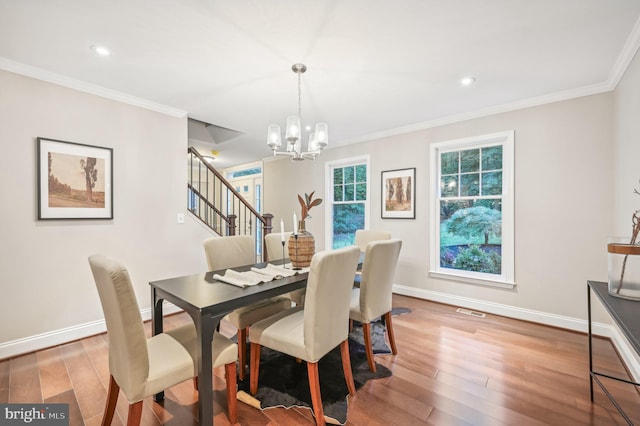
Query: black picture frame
{"x": 398, "y": 199}
{"x": 75, "y": 181}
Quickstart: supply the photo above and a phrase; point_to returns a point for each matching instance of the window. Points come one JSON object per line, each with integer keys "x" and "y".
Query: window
{"x": 472, "y": 209}
{"x": 347, "y": 208}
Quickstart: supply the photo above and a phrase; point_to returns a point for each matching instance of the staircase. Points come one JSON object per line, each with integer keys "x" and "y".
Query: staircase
{"x": 220, "y": 207}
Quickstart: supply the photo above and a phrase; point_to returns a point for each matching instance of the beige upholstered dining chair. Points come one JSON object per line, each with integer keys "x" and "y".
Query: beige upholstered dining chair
{"x": 142, "y": 367}
{"x": 373, "y": 299}
{"x": 273, "y": 243}
{"x": 365, "y": 236}
{"x": 230, "y": 252}
{"x": 309, "y": 333}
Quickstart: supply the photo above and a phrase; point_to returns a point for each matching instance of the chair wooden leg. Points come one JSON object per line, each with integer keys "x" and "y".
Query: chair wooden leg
{"x": 392, "y": 339}
{"x": 232, "y": 401}
{"x": 112, "y": 399}
{"x": 242, "y": 353}
{"x": 346, "y": 367}
{"x": 135, "y": 414}
{"x": 316, "y": 397}
{"x": 254, "y": 370}
{"x": 366, "y": 331}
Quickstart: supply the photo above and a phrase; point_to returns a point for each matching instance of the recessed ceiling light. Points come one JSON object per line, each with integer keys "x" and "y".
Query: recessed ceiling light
{"x": 100, "y": 50}
{"x": 467, "y": 81}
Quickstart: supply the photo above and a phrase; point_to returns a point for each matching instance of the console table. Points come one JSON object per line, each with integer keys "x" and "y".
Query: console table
{"x": 626, "y": 314}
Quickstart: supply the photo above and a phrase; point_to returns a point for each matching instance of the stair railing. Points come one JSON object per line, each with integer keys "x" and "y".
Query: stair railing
{"x": 216, "y": 203}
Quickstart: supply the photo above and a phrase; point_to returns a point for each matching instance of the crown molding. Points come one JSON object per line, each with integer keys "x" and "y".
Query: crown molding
{"x": 71, "y": 83}
{"x": 485, "y": 112}
{"x": 626, "y": 56}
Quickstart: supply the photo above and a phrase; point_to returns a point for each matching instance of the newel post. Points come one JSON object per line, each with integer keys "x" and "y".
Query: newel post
{"x": 231, "y": 226}
{"x": 267, "y": 228}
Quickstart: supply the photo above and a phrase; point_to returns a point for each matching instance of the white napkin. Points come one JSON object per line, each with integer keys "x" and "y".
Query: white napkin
{"x": 242, "y": 279}
{"x": 274, "y": 271}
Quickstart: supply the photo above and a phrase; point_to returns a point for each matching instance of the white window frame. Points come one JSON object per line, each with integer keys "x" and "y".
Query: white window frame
{"x": 506, "y": 278}
{"x": 328, "y": 196}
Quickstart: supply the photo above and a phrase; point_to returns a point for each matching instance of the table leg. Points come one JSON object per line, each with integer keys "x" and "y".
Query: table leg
{"x": 156, "y": 322}
{"x": 590, "y": 345}
{"x": 205, "y": 326}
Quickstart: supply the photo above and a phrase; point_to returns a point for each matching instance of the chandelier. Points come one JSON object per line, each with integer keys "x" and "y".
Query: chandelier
{"x": 318, "y": 139}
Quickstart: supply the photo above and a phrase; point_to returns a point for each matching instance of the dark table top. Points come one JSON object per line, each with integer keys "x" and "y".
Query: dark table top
{"x": 625, "y": 312}
{"x": 202, "y": 292}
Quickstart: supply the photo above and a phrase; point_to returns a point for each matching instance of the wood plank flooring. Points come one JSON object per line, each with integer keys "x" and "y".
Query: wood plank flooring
{"x": 451, "y": 369}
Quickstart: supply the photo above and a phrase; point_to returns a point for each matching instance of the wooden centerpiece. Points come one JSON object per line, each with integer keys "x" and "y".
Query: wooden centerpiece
{"x": 302, "y": 244}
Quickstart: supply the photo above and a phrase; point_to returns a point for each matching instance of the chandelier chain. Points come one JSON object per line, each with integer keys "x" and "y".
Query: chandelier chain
{"x": 300, "y": 96}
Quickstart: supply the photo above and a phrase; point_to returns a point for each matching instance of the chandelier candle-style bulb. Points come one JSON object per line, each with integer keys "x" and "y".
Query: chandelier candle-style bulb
{"x": 312, "y": 143}
{"x": 293, "y": 131}
{"x": 321, "y": 135}
{"x": 273, "y": 136}
{"x": 293, "y": 128}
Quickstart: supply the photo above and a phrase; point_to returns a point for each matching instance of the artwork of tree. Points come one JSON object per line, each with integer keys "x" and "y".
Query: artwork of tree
{"x": 88, "y": 166}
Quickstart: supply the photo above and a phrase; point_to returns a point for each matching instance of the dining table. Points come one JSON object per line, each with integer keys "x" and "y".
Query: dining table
{"x": 207, "y": 301}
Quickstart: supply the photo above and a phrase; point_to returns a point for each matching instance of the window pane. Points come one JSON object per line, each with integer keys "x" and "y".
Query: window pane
{"x": 470, "y": 237}
{"x": 469, "y": 160}
{"x": 347, "y": 218}
{"x": 449, "y": 163}
{"x": 337, "y": 193}
{"x": 361, "y": 173}
{"x": 449, "y": 186}
{"x": 349, "y": 174}
{"x": 469, "y": 185}
{"x": 492, "y": 203}
{"x": 473, "y": 240}
{"x": 492, "y": 158}
{"x": 349, "y": 192}
{"x": 492, "y": 183}
{"x": 337, "y": 176}
{"x": 361, "y": 191}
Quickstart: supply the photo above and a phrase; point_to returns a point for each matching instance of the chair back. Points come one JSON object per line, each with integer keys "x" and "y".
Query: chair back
{"x": 327, "y": 299}
{"x": 128, "y": 355}
{"x": 229, "y": 252}
{"x": 273, "y": 243}
{"x": 364, "y": 237}
{"x": 378, "y": 272}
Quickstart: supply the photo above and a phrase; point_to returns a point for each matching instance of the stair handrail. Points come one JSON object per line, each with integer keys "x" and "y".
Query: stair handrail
{"x": 265, "y": 219}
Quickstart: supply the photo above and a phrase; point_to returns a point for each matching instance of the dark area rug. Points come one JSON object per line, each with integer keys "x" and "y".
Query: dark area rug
{"x": 283, "y": 382}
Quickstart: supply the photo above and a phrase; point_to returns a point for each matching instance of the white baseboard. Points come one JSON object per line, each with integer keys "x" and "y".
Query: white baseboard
{"x": 627, "y": 353}
{"x": 64, "y": 335}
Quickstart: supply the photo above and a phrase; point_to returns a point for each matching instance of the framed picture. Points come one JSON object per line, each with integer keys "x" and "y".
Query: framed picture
{"x": 75, "y": 181}
{"x": 398, "y": 194}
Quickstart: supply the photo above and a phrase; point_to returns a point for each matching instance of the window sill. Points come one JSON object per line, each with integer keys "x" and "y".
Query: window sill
{"x": 470, "y": 280}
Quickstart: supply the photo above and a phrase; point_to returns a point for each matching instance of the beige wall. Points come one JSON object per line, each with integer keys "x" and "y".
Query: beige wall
{"x": 563, "y": 181}
{"x": 627, "y": 149}
{"x": 576, "y": 167}
{"x": 45, "y": 279}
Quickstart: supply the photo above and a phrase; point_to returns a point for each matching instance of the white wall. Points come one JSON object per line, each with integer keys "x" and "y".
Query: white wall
{"x": 576, "y": 167}
{"x": 627, "y": 149}
{"x": 47, "y": 287}
{"x": 563, "y": 204}
{"x": 626, "y": 173}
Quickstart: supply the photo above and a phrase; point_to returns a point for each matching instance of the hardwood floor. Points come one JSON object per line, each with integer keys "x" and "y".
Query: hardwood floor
{"x": 451, "y": 369}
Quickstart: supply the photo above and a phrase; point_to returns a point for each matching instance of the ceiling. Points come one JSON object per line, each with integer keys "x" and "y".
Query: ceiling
{"x": 375, "y": 67}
